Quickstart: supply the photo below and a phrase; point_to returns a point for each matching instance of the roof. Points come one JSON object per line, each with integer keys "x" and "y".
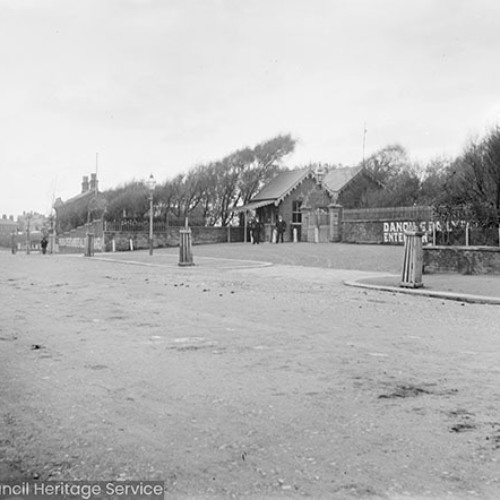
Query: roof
{"x": 276, "y": 189}
{"x": 337, "y": 179}
{"x": 280, "y": 186}
{"x": 59, "y": 203}
{"x": 254, "y": 205}
{"x": 8, "y": 222}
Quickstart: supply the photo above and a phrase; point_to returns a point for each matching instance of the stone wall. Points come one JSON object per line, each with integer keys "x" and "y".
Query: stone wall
{"x": 362, "y": 232}
{"x": 385, "y": 225}
{"x": 171, "y": 237}
{"x": 74, "y": 241}
{"x": 461, "y": 260}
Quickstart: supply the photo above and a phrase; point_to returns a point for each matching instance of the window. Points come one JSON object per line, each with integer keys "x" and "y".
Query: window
{"x": 296, "y": 213}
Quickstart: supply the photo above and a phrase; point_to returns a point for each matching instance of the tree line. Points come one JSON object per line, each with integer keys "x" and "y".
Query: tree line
{"x": 466, "y": 187}
{"x": 208, "y": 193}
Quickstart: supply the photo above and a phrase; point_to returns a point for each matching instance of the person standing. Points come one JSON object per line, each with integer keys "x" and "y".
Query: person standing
{"x": 280, "y": 229}
{"x": 255, "y": 228}
{"x": 44, "y": 244}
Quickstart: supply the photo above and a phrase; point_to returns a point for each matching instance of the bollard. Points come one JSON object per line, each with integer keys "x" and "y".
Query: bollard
{"x": 185, "y": 255}
{"x": 52, "y": 243}
{"x": 89, "y": 245}
{"x": 413, "y": 261}
{"x": 13, "y": 244}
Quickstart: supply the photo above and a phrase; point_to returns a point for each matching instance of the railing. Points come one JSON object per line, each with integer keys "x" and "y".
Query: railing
{"x": 390, "y": 213}
{"x": 134, "y": 226}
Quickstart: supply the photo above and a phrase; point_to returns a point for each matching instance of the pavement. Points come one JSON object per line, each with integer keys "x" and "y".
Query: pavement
{"x": 482, "y": 289}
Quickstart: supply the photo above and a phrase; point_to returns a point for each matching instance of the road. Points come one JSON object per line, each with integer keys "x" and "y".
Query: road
{"x": 234, "y": 380}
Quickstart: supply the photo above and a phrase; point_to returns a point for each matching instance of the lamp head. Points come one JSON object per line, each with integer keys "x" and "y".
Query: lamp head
{"x": 151, "y": 183}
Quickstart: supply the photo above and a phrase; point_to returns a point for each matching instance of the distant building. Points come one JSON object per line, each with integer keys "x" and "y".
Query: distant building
{"x": 36, "y": 222}
{"x": 28, "y": 227}
{"x": 8, "y": 226}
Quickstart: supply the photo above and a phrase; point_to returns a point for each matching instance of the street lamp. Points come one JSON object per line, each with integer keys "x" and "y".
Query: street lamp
{"x": 151, "y": 183}
{"x": 28, "y": 235}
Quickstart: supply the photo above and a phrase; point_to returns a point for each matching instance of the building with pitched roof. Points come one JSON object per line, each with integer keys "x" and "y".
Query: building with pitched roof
{"x": 309, "y": 200}
{"x": 79, "y": 209}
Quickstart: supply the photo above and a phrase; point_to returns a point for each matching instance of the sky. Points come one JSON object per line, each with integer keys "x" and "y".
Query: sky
{"x": 134, "y": 87}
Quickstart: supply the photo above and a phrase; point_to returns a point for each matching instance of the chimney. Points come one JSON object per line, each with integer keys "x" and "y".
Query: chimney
{"x": 85, "y": 184}
{"x": 93, "y": 182}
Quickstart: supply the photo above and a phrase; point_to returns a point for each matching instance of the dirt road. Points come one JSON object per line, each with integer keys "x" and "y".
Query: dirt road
{"x": 228, "y": 380}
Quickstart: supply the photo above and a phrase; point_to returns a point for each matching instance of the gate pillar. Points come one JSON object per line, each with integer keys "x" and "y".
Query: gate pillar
{"x": 335, "y": 213}
{"x": 306, "y": 223}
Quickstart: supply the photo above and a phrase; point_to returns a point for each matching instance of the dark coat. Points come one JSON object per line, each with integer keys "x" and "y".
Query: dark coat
{"x": 281, "y": 226}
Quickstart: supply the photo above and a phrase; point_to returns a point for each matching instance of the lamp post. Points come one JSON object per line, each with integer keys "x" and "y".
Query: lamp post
{"x": 28, "y": 235}
{"x": 151, "y": 183}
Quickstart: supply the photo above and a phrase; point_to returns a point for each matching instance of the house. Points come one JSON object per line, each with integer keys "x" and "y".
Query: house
{"x": 310, "y": 201}
{"x": 8, "y": 227}
{"x": 79, "y": 209}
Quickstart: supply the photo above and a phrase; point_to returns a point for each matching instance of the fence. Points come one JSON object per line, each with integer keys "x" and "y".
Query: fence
{"x": 131, "y": 226}
{"x": 387, "y": 214}
{"x": 388, "y": 225}
{"x": 461, "y": 233}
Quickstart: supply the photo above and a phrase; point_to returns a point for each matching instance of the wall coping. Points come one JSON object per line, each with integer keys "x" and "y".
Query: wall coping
{"x": 463, "y": 248}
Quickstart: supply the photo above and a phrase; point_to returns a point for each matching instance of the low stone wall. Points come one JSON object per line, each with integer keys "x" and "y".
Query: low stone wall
{"x": 385, "y": 225}
{"x": 362, "y": 232}
{"x": 74, "y": 241}
{"x": 461, "y": 260}
{"x": 202, "y": 235}
{"x": 124, "y": 241}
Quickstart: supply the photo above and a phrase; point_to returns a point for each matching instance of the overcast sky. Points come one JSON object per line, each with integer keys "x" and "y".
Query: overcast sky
{"x": 159, "y": 86}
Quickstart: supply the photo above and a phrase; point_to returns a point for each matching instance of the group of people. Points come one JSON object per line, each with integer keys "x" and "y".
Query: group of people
{"x": 256, "y": 226}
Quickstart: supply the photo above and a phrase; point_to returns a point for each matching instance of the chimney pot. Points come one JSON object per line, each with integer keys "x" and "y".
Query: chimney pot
{"x": 85, "y": 184}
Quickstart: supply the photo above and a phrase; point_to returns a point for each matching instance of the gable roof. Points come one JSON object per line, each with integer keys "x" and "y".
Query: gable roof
{"x": 278, "y": 187}
{"x": 337, "y": 179}
{"x": 286, "y": 181}
{"x": 60, "y": 204}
